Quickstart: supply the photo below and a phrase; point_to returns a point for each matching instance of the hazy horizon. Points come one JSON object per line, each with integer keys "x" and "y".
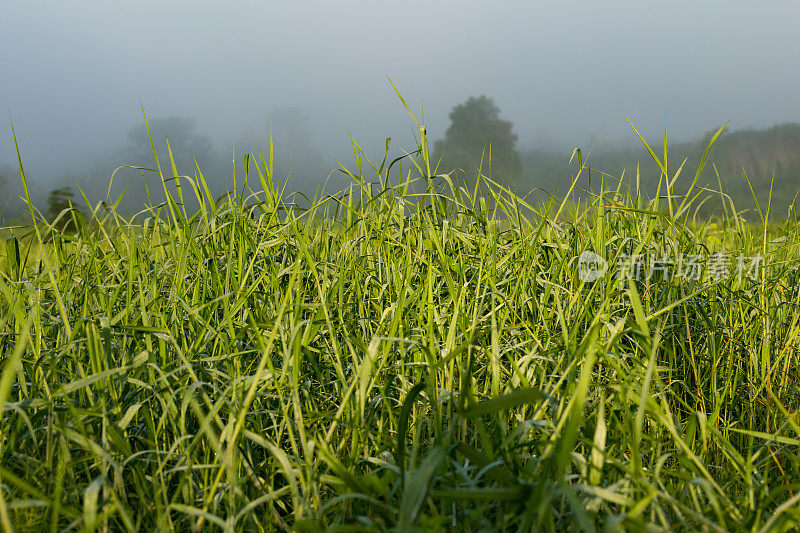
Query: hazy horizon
{"x": 76, "y": 76}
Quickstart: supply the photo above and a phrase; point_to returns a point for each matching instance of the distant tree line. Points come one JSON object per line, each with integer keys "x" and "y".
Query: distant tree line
{"x": 769, "y": 158}
{"x": 478, "y": 139}
{"x": 293, "y": 149}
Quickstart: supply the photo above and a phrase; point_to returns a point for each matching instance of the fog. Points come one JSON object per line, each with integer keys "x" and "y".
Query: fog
{"x": 75, "y": 76}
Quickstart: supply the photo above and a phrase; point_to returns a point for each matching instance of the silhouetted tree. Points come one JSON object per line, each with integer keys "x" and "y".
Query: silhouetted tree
{"x": 58, "y": 200}
{"x": 184, "y": 142}
{"x": 475, "y": 126}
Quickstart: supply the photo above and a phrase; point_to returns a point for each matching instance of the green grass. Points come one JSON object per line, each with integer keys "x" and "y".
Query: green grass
{"x": 391, "y": 359}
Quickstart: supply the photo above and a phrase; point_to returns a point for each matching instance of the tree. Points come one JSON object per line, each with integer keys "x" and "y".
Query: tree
{"x": 183, "y": 139}
{"x": 475, "y": 127}
{"x": 58, "y": 200}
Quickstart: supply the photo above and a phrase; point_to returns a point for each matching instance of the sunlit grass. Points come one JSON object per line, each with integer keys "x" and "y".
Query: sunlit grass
{"x": 404, "y": 353}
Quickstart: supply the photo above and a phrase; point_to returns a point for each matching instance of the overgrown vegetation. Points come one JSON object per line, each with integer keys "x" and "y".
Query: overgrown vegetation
{"x": 388, "y": 359}
{"x": 746, "y": 164}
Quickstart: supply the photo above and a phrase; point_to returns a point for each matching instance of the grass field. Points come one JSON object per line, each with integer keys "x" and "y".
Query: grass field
{"x": 389, "y": 359}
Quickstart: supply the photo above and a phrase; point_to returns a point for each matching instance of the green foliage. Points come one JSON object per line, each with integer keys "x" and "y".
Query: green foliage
{"x": 388, "y": 360}
{"x": 767, "y": 160}
{"x": 476, "y": 129}
{"x": 61, "y": 208}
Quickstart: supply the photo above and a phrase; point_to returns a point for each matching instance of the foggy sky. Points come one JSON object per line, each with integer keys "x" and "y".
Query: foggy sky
{"x": 74, "y": 74}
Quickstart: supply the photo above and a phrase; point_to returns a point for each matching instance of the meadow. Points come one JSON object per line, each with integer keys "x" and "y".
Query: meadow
{"x": 408, "y": 353}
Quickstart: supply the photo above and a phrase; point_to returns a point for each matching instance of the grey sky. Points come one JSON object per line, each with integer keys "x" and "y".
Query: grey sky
{"x": 73, "y": 73}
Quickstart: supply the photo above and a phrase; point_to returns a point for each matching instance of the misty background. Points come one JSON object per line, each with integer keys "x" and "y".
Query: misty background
{"x": 75, "y": 76}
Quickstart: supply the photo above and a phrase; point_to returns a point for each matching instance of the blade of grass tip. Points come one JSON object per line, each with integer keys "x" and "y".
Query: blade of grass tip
{"x": 233, "y": 165}
{"x": 92, "y": 210}
{"x": 426, "y": 156}
{"x": 383, "y": 164}
{"x": 53, "y": 284}
{"x": 199, "y": 196}
{"x": 423, "y": 140}
{"x": 271, "y": 155}
{"x": 702, "y": 163}
{"x": 574, "y": 182}
{"x": 721, "y": 193}
{"x": 245, "y": 185}
{"x": 666, "y": 166}
{"x": 111, "y": 180}
{"x": 755, "y": 198}
{"x": 359, "y": 165}
{"x": 265, "y": 178}
{"x": 170, "y": 202}
{"x": 176, "y": 177}
{"x": 118, "y": 201}
{"x": 152, "y": 144}
{"x": 649, "y": 150}
{"x": 403, "y": 100}
{"x": 204, "y": 183}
